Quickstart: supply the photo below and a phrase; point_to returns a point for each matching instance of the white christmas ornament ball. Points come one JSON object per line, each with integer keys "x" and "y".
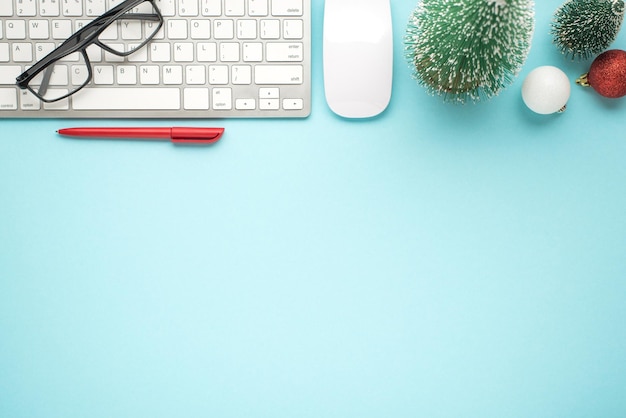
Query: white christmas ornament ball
{"x": 546, "y": 90}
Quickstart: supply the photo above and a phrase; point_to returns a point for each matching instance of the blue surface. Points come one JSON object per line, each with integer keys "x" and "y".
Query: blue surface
{"x": 437, "y": 261}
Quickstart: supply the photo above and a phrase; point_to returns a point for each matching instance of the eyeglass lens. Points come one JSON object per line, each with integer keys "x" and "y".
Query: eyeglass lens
{"x": 131, "y": 30}
{"x": 61, "y": 78}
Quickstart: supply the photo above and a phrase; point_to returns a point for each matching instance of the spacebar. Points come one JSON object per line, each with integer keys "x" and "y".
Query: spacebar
{"x": 123, "y": 98}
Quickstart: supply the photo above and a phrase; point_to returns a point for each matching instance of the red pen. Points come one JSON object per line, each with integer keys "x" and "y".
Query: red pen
{"x": 176, "y": 134}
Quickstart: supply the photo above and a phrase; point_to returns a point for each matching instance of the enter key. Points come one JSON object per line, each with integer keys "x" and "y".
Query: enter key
{"x": 284, "y": 52}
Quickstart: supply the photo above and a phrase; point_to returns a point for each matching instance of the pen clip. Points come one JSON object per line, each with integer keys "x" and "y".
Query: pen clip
{"x": 196, "y": 135}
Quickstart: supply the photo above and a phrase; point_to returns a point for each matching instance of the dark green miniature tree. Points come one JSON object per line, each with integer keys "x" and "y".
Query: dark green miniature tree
{"x": 584, "y": 28}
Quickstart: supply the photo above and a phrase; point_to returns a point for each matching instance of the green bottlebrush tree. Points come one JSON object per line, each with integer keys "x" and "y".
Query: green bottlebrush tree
{"x": 584, "y": 28}
{"x": 468, "y": 50}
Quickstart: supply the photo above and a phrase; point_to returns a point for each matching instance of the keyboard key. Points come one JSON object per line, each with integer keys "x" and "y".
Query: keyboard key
{"x": 95, "y": 7}
{"x": 81, "y": 23}
{"x": 245, "y": 104}
{"x": 234, "y": 7}
{"x": 6, "y": 8}
{"x": 15, "y": 29}
{"x": 4, "y": 52}
{"x": 287, "y": 8}
{"x": 257, "y": 7}
{"x": 132, "y": 30}
{"x": 9, "y": 73}
{"x": 167, "y": 7}
{"x": 284, "y": 52}
{"x": 8, "y": 99}
{"x": 188, "y": 7}
{"x": 218, "y": 74}
{"x": 269, "y": 93}
{"x": 195, "y": 74}
{"x": 60, "y": 76}
{"x": 150, "y": 27}
{"x": 127, "y": 98}
{"x": 241, "y": 74}
{"x": 149, "y": 74}
{"x": 293, "y": 104}
{"x": 126, "y": 75}
{"x": 223, "y": 29}
{"x": 103, "y": 75}
{"x": 211, "y": 7}
{"x": 278, "y": 74}
{"x": 49, "y": 8}
{"x": 160, "y": 52}
{"x": 79, "y": 74}
{"x": 196, "y": 99}
{"x": 222, "y": 98}
{"x": 206, "y": 52}
{"x": 173, "y": 75}
{"x": 269, "y": 104}
{"x": 94, "y": 52}
{"x": 270, "y": 29}
{"x": 201, "y": 29}
{"x": 22, "y": 52}
{"x": 177, "y": 29}
{"x": 246, "y": 29}
{"x": 109, "y": 57}
{"x": 38, "y": 29}
{"x": 183, "y": 52}
{"x": 293, "y": 29}
{"x": 72, "y": 7}
{"x": 113, "y": 3}
{"x": 25, "y": 8}
{"x": 109, "y": 34}
{"x": 253, "y": 52}
{"x": 229, "y": 51}
{"x": 61, "y": 29}
{"x": 58, "y": 105}
{"x": 43, "y": 48}
{"x": 28, "y": 101}
{"x": 140, "y": 56}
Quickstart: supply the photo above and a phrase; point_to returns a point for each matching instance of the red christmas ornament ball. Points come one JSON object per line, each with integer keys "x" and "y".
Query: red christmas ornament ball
{"x": 607, "y": 74}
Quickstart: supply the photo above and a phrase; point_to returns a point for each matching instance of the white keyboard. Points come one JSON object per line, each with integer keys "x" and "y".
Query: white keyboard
{"x": 211, "y": 59}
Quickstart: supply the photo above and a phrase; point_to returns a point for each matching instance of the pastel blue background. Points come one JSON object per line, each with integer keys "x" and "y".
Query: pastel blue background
{"x": 436, "y": 261}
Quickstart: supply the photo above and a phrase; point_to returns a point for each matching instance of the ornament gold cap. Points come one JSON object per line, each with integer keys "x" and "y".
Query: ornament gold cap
{"x": 583, "y": 80}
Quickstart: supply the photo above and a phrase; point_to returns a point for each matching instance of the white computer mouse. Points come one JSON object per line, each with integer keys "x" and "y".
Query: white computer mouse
{"x": 358, "y": 56}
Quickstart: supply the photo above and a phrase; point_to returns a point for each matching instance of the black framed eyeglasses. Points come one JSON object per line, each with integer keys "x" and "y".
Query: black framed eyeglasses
{"x": 123, "y": 30}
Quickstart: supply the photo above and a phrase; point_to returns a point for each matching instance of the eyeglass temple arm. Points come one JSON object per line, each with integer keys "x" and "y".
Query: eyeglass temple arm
{"x": 45, "y": 82}
{"x": 141, "y": 16}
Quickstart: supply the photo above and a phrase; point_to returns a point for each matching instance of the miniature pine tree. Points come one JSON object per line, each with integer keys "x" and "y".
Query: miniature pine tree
{"x": 468, "y": 50}
{"x": 585, "y": 28}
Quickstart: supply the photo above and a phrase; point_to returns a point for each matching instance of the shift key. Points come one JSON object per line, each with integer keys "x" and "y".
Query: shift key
{"x": 278, "y": 74}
